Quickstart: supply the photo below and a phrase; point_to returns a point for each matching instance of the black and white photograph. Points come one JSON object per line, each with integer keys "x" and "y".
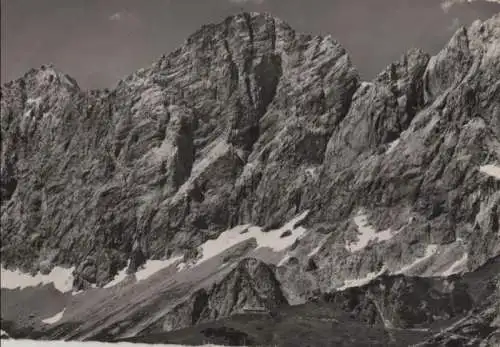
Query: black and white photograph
{"x": 268, "y": 173}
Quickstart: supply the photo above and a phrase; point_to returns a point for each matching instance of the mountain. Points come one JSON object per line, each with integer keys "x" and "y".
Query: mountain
{"x": 251, "y": 171}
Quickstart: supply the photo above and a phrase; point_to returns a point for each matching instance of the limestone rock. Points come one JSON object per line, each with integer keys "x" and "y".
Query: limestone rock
{"x": 249, "y": 122}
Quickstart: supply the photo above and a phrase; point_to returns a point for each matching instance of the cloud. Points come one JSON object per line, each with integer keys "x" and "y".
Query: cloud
{"x": 116, "y": 16}
{"x": 447, "y": 4}
{"x": 122, "y": 16}
{"x": 125, "y": 18}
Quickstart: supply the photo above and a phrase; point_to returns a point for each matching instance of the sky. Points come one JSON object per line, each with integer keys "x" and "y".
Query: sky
{"x": 99, "y": 42}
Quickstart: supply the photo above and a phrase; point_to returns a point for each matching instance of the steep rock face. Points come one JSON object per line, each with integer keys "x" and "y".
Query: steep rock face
{"x": 175, "y": 151}
{"x": 414, "y": 171}
{"x": 379, "y": 113}
{"x": 437, "y": 158}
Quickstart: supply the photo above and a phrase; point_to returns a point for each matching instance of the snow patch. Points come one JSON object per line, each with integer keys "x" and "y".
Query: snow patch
{"x": 54, "y": 319}
{"x": 358, "y": 282}
{"x": 429, "y": 252}
{"x": 119, "y": 277}
{"x": 367, "y": 234}
{"x": 314, "y": 251}
{"x": 4, "y": 333}
{"x": 61, "y": 278}
{"x": 392, "y": 146}
{"x": 181, "y": 266}
{"x": 153, "y": 266}
{"x": 284, "y": 260}
{"x": 457, "y": 267}
{"x": 271, "y": 239}
{"x": 491, "y": 170}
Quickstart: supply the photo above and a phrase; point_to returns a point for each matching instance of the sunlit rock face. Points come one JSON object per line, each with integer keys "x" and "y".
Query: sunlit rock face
{"x": 249, "y": 169}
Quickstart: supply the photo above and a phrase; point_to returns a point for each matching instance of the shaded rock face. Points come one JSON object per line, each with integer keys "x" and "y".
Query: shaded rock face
{"x": 251, "y": 285}
{"x": 250, "y": 122}
{"x": 405, "y": 302}
{"x": 481, "y": 325}
{"x": 465, "y": 308}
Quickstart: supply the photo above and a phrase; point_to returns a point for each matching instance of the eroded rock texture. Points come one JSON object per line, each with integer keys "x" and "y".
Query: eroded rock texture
{"x": 250, "y": 122}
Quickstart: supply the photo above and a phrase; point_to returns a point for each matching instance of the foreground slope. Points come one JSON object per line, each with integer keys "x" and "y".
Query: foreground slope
{"x": 249, "y": 141}
{"x": 359, "y": 316}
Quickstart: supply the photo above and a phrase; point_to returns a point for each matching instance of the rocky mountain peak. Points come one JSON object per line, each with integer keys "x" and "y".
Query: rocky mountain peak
{"x": 252, "y": 131}
{"x": 251, "y": 286}
{"x": 36, "y": 84}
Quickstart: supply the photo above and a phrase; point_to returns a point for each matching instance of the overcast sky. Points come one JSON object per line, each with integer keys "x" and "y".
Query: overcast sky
{"x": 100, "y": 41}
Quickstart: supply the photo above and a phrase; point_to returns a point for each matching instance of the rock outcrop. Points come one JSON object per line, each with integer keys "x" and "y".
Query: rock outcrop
{"x": 250, "y": 287}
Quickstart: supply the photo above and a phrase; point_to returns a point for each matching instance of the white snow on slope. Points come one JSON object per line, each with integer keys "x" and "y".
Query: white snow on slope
{"x": 429, "y": 252}
{"x": 358, "y": 282}
{"x": 144, "y": 272}
{"x": 457, "y": 267}
{"x": 61, "y": 277}
{"x": 367, "y": 234}
{"x": 38, "y": 343}
{"x": 491, "y": 170}
{"x": 153, "y": 266}
{"x": 314, "y": 251}
{"x": 54, "y": 319}
{"x": 119, "y": 277}
{"x": 4, "y": 333}
{"x": 284, "y": 260}
{"x": 392, "y": 146}
{"x": 271, "y": 239}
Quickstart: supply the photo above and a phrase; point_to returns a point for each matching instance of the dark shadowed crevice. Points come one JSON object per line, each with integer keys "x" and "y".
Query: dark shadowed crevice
{"x": 199, "y": 305}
